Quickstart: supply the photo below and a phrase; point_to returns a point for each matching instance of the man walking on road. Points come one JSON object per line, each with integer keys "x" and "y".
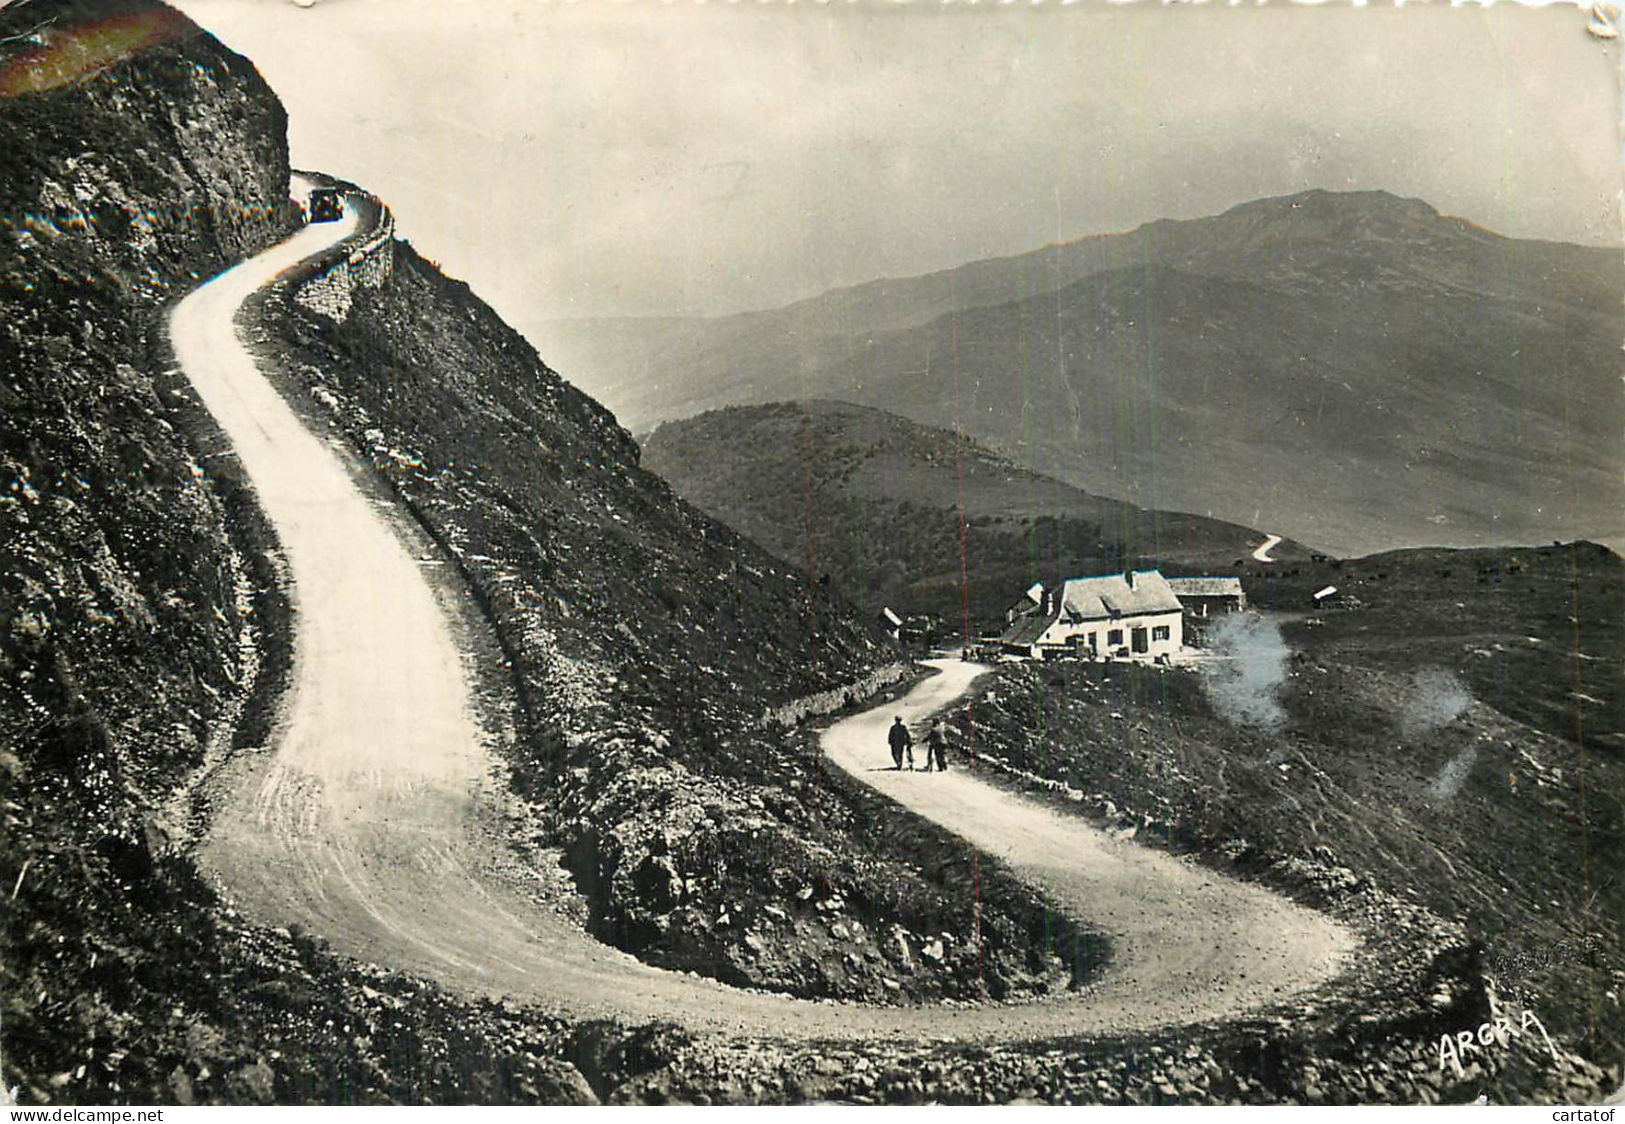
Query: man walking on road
{"x": 901, "y": 742}
{"x": 936, "y": 745}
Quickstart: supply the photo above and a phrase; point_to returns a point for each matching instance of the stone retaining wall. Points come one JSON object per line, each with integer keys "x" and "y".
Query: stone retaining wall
{"x": 367, "y": 259}
{"x": 827, "y": 702}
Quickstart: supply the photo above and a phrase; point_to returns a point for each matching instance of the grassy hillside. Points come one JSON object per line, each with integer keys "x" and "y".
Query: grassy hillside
{"x": 1352, "y": 370}
{"x": 877, "y": 502}
{"x": 1448, "y": 732}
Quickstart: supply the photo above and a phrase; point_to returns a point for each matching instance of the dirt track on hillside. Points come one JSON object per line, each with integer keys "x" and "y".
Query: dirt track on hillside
{"x": 362, "y": 821}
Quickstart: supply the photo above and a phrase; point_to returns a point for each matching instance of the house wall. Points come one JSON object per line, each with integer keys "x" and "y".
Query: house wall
{"x": 1063, "y": 632}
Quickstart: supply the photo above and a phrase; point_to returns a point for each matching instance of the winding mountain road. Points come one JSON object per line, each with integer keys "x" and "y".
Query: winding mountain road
{"x": 365, "y": 819}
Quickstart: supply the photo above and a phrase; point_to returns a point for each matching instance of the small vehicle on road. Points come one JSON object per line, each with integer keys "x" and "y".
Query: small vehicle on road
{"x": 325, "y": 205}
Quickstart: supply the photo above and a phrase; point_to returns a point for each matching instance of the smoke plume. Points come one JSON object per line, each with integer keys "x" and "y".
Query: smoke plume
{"x": 1244, "y": 683}
{"x": 1435, "y": 697}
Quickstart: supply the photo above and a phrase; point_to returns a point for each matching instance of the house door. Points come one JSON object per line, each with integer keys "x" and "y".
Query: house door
{"x": 1141, "y": 640}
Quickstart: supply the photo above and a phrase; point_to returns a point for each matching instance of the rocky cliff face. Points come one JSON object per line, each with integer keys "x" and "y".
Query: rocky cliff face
{"x": 138, "y": 606}
{"x": 136, "y": 155}
{"x": 119, "y": 190}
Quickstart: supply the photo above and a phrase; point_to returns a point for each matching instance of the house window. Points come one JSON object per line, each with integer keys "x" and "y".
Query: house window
{"x": 1159, "y": 632}
{"x": 1114, "y": 638}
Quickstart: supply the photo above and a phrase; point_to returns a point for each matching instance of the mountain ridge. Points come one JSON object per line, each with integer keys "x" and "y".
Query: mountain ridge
{"x": 879, "y": 284}
{"x": 1383, "y": 295}
{"x": 1397, "y": 204}
{"x": 916, "y": 517}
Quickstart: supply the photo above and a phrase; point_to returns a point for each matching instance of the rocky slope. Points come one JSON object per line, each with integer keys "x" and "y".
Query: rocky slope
{"x": 876, "y": 501}
{"x": 647, "y": 642}
{"x": 141, "y": 621}
{"x": 1350, "y": 369}
{"x": 137, "y": 155}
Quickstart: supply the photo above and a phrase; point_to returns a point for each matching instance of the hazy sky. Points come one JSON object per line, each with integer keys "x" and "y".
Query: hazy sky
{"x": 596, "y": 158}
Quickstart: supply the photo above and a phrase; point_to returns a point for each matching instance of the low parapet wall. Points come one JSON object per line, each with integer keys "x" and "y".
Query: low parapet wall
{"x": 827, "y": 702}
{"x": 366, "y": 259}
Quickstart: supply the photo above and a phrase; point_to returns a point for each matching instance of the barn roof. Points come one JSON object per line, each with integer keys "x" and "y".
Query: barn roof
{"x": 1205, "y": 587}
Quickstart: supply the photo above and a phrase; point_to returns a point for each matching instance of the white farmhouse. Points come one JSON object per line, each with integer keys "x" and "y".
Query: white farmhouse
{"x": 1133, "y": 615}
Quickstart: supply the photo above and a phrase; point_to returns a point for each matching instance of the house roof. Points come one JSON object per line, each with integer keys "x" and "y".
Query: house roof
{"x": 1205, "y": 587}
{"x": 1111, "y": 594}
{"x": 1026, "y": 631}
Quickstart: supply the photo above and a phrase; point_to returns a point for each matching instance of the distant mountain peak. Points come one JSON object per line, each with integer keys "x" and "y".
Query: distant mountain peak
{"x": 1367, "y": 199}
{"x": 1339, "y": 212}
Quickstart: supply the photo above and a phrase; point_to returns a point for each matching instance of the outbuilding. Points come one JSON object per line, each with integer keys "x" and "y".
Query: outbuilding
{"x": 1209, "y": 597}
